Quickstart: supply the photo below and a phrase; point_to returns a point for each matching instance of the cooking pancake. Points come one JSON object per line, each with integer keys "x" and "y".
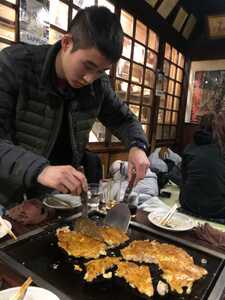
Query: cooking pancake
{"x": 80, "y": 245}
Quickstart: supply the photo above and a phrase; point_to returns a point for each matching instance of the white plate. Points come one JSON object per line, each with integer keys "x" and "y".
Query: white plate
{"x": 178, "y": 222}
{"x": 33, "y": 293}
{"x": 73, "y": 201}
{"x": 2, "y": 230}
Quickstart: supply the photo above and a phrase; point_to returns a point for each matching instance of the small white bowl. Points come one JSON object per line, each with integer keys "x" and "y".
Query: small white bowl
{"x": 33, "y": 293}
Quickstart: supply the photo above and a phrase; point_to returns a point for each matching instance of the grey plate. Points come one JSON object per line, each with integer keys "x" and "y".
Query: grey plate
{"x": 62, "y": 201}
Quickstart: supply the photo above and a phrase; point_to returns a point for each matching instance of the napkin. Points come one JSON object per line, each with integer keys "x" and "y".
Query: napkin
{"x": 210, "y": 235}
{"x": 154, "y": 204}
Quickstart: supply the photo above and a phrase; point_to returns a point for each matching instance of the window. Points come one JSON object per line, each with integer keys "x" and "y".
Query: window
{"x": 170, "y": 103}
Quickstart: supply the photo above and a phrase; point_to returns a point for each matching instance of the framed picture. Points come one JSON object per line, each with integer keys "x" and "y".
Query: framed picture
{"x": 206, "y": 89}
{"x": 216, "y": 26}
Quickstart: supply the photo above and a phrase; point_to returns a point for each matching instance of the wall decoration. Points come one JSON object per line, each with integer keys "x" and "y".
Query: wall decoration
{"x": 180, "y": 19}
{"x": 206, "y": 90}
{"x": 216, "y": 26}
{"x": 166, "y": 7}
{"x": 189, "y": 27}
{"x": 34, "y": 21}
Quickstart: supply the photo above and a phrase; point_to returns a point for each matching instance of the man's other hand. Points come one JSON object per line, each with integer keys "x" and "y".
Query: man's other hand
{"x": 65, "y": 179}
{"x": 137, "y": 160}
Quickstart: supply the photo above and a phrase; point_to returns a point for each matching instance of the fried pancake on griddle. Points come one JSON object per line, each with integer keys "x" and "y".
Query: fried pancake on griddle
{"x": 99, "y": 267}
{"x": 137, "y": 276}
{"x": 177, "y": 265}
{"x": 113, "y": 236}
{"x": 80, "y": 245}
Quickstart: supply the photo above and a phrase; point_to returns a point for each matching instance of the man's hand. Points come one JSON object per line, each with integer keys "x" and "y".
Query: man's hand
{"x": 65, "y": 179}
{"x": 137, "y": 160}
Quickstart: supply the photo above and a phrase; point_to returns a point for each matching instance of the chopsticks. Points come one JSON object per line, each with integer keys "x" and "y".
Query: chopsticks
{"x": 7, "y": 229}
{"x": 169, "y": 215}
{"x": 20, "y": 294}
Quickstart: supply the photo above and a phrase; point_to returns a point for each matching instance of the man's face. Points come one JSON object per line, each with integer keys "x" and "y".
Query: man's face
{"x": 82, "y": 66}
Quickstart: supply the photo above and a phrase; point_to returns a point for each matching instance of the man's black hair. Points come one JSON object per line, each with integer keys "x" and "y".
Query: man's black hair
{"x": 98, "y": 27}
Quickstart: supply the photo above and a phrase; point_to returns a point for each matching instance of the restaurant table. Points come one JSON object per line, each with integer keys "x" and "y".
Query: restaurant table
{"x": 10, "y": 278}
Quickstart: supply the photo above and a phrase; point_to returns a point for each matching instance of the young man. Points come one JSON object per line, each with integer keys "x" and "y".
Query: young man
{"x": 50, "y": 96}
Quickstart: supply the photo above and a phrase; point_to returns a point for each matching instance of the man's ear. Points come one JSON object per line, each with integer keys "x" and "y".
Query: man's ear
{"x": 66, "y": 42}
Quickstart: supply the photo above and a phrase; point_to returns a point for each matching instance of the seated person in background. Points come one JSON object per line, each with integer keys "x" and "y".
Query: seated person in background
{"x": 147, "y": 186}
{"x": 203, "y": 169}
{"x": 166, "y": 164}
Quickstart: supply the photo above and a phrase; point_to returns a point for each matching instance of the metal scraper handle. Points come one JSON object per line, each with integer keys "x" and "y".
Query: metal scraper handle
{"x": 84, "y": 197}
{"x": 129, "y": 187}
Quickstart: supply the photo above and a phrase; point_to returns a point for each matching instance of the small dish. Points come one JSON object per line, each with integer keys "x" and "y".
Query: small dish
{"x": 2, "y": 229}
{"x": 178, "y": 222}
{"x": 62, "y": 201}
{"x": 33, "y": 293}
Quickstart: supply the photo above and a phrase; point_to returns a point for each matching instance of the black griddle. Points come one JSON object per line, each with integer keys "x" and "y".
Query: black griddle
{"x": 39, "y": 256}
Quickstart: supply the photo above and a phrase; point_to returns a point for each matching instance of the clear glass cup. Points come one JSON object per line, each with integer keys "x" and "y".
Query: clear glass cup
{"x": 94, "y": 196}
{"x": 111, "y": 192}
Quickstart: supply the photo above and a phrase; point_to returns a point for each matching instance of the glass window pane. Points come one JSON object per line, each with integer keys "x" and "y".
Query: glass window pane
{"x": 123, "y": 69}
{"x": 172, "y": 71}
{"x": 59, "y": 14}
{"x": 84, "y": 3}
{"x": 145, "y": 114}
{"x": 161, "y": 116}
{"x": 7, "y": 32}
{"x": 179, "y": 75}
{"x": 54, "y": 36}
{"x": 3, "y": 45}
{"x": 162, "y": 102}
{"x": 151, "y": 59}
{"x": 147, "y": 97}
{"x": 107, "y": 4}
{"x": 174, "y": 55}
{"x": 7, "y": 13}
{"x": 139, "y": 53}
{"x": 166, "y": 67}
{"x": 167, "y": 51}
{"x": 149, "y": 78}
{"x": 178, "y": 89}
{"x": 181, "y": 60}
{"x": 165, "y": 84}
{"x": 173, "y": 132}
{"x": 169, "y": 102}
{"x": 121, "y": 89}
{"x": 137, "y": 73}
{"x": 167, "y": 117}
{"x": 171, "y": 87}
{"x": 135, "y": 109}
{"x": 159, "y": 132}
{"x": 176, "y": 103}
{"x": 166, "y": 132}
{"x": 74, "y": 12}
{"x": 141, "y": 32}
{"x": 127, "y": 43}
{"x": 127, "y": 22}
{"x": 135, "y": 93}
{"x": 97, "y": 133}
{"x": 145, "y": 128}
{"x": 174, "y": 117}
{"x": 11, "y": 1}
{"x": 153, "y": 41}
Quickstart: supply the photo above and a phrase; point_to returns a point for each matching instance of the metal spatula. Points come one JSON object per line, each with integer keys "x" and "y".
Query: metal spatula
{"x": 84, "y": 224}
{"x": 119, "y": 216}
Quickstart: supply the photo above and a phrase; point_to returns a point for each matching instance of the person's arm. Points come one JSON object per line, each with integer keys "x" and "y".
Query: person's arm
{"x": 18, "y": 166}
{"x": 116, "y": 116}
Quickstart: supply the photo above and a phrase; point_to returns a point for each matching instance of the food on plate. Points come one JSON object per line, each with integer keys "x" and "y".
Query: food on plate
{"x": 79, "y": 245}
{"x": 100, "y": 266}
{"x": 137, "y": 276}
{"x": 177, "y": 265}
